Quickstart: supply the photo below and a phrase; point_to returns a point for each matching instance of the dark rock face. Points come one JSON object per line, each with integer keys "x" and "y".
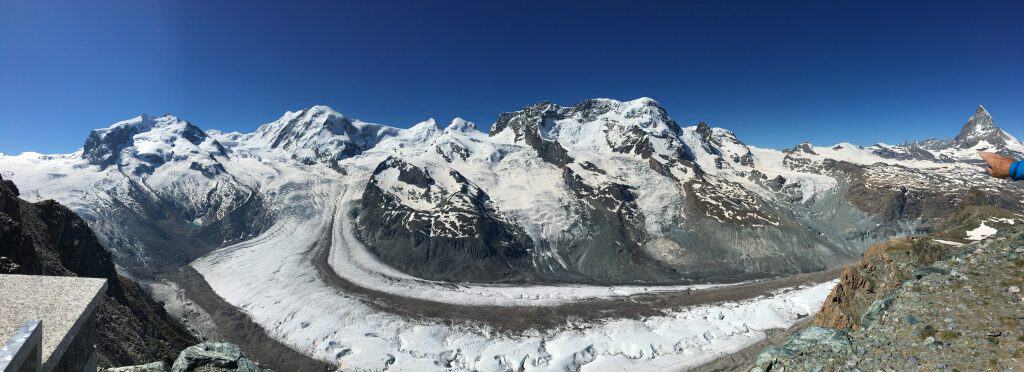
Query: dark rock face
{"x": 527, "y": 125}
{"x": 461, "y": 237}
{"x": 727, "y": 202}
{"x": 104, "y": 149}
{"x": 46, "y": 238}
{"x": 911, "y": 152}
{"x": 916, "y": 198}
{"x": 805, "y": 147}
{"x": 612, "y": 252}
{"x": 451, "y": 150}
{"x": 208, "y": 171}
{"x": 633, "y": 140}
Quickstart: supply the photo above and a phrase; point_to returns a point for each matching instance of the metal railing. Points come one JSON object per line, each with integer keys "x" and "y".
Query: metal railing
{"x": 24, "y": 351}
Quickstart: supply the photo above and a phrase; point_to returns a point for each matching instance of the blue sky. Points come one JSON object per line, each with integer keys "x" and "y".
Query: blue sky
{"x": 776, "y": 74}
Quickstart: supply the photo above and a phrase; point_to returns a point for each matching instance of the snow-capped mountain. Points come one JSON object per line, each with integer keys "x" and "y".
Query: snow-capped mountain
{"x": 604, "y": 191}
{"x": 144, "y": 143}
{"x": 317, "y": 134}
{"x": 159, "y": 191}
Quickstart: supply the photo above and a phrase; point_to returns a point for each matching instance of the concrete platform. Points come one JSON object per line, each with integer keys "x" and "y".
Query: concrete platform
{"x": 66, "y": 306}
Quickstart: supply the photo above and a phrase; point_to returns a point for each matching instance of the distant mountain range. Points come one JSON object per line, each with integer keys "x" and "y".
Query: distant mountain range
{"x": 600, "y": 192}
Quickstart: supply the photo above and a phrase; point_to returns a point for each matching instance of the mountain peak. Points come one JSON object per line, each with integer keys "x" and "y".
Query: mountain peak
{"x": 424, "y": 128}
{"x": 979, "y": 127}
{"x": 155, "y": 140}
{"x": 642, "y": 102}
{"x": 322, "y": 110}
{"x": 981, "y": 111}
{"x": 460, "y": 125}
{"x": 319, "y": 133}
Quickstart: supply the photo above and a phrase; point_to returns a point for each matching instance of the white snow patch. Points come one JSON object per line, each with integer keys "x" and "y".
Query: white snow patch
{"x": 981, "y": 232}
{"x": 1008, "y": 221}
{"x": 947, "y": 242}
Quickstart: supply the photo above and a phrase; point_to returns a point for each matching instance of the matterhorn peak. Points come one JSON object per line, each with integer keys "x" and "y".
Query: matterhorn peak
{"x": 982, "y": 119}
{"x": 979, "y": 128}
{"x": 981, "y": 111}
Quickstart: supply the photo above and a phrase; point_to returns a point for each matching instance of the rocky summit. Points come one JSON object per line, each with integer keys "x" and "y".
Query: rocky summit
{"x": 951, "y": 300}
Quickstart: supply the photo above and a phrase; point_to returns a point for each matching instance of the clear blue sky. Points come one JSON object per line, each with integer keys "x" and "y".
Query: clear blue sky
{"x": 776, "y": 74}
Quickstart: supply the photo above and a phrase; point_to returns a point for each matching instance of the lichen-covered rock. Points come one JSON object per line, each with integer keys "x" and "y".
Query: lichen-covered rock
{"x": 214, "y": 356}
{"x": 812, "y": 339}
{"x": 938, "y": 302}
{"x": 876, "y": 310}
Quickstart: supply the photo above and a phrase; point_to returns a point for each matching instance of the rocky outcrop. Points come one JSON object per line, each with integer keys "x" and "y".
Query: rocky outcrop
{"x": 206, "y": 357}
{"x": 437, "y": 225}
{"x": 528, "y": 126}
{"x": 47, "y": 238}
{"x": 937, "y": 302}
{"x": 810, "y": 339}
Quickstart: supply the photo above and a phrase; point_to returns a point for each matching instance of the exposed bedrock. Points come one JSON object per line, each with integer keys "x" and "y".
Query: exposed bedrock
{"x": 459, "y": 237}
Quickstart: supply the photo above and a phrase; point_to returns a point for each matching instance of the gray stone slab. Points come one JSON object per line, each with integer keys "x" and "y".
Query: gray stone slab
{"x": 62, "y": 303}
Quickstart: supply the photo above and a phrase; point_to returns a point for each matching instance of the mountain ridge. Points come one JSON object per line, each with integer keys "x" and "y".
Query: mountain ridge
{"x": 927, "y": 144}
{"x": 606, "y": 191}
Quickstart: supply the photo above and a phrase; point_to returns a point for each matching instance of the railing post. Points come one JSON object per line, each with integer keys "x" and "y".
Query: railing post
{"x": 24, "y": 351}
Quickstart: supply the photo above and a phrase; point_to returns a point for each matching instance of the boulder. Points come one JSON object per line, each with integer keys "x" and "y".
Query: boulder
{"x": 214, "y": 356}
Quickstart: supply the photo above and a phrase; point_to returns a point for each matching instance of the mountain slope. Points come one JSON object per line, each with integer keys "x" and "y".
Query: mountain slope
{"x": 45, "y": 238}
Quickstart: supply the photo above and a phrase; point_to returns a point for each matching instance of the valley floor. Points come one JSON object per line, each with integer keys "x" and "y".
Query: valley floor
{"x": 233, "y": 325}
